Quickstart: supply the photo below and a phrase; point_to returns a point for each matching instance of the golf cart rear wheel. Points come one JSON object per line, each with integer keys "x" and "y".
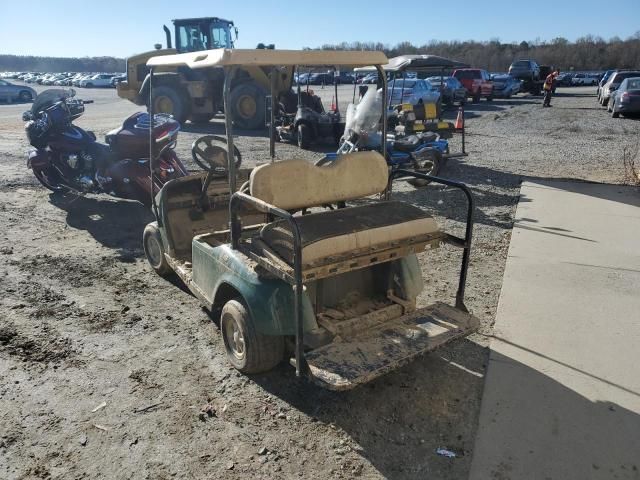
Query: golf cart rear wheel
{"x": 304, "y": 136}
{"x": 248, "y": 350}
{"x": 429, "y": 166}
{"x": 154, "y": 250}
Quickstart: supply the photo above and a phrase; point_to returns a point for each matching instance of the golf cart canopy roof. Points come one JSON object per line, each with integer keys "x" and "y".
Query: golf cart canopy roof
{"x": 223, "y": 57}
{"x": 416, "y": 63}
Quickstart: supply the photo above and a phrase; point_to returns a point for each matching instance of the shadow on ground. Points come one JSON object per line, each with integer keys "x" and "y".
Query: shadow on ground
{"x": 115, "y": 224}
{"x": 398, "y": 421}
{"x": 575, "y": 438}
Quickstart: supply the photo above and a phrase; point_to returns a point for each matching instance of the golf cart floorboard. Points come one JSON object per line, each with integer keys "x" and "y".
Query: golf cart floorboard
{"x": 342, "y": 365}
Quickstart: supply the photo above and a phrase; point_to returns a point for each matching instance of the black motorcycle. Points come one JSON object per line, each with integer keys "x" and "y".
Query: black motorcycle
{"x": 69, "y": 158}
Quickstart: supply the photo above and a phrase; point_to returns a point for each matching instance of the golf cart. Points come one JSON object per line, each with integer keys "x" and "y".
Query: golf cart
{"x": 407, "y": 121}
{"x": 306, "y": 120}
{"x": 334, "y": 290}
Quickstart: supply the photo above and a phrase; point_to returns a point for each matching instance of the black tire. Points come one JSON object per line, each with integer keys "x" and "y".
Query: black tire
{"x": 248, "y": 350}
{"x": 48, "y": 178}
{"x": 248, "y": 106}
{"x": 303, "y": 135}
{"x": 614, "y": 114}
{"x": 154, "y": 250}
{"x": 431, "y": 166}
{"x": 25, "y": 96}
{"x": 168, "y": 100}
{"x": 201, "y": 118}
{"x": 490, "y": 98}
{"x": 476, "y": 97}
{"x": 89, "y": 85}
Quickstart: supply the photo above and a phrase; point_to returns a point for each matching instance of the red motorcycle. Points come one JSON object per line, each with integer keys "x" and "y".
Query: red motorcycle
{"x": 68, "y": 158}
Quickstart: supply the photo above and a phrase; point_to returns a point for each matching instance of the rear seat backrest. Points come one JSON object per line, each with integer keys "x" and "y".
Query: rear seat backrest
{"x": 294, "y": 184}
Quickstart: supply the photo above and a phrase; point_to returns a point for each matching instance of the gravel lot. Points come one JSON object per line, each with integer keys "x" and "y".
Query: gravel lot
{"x": 105, "y": 366}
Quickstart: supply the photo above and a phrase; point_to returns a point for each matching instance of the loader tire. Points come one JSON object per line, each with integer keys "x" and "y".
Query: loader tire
{"x": 248, "y": 106}
{"x": 167, "y": 100}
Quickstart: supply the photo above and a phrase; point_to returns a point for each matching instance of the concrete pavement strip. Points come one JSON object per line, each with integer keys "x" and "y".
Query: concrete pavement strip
{"x": 562, "y": 393}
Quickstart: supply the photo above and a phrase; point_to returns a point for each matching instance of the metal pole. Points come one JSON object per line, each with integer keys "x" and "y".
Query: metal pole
{"x": 152, "y": 146}
{"x": 228, "y": 125}
{"x": 463, "y": 130}
{"x": 383, "y": 77}
{"x": 355, "y": 85}
{"x": 272, "y": 120}
{"x": 335, "y": 88}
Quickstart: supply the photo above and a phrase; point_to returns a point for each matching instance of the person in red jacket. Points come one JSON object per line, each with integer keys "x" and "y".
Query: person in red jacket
{"x": 549, "y": 86}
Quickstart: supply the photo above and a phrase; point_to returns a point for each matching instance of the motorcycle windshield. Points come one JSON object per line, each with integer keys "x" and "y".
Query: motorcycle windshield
{"x": 48, "y": 98}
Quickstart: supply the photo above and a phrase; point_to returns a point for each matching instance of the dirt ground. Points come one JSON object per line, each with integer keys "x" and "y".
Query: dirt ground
{"x": 105, "y": 367}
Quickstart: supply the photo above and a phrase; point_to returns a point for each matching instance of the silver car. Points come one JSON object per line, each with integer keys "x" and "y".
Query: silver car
{"x": 413, "y": 91}
{"x": 10, "y": 92}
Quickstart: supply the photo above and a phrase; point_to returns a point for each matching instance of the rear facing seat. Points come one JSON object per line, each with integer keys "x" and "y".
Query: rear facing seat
{"x": 297, "y": 184}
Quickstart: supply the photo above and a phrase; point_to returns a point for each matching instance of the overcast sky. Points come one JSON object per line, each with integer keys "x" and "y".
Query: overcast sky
{"x": 70, "y": 28}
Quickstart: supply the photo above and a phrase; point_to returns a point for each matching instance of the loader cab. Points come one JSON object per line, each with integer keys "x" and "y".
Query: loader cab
{"x": 197, "y": 34}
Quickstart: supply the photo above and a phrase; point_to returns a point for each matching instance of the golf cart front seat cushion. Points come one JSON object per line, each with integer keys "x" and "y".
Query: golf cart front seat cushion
{"x": 336, "y": 232}
{"x": 294, "y": 184}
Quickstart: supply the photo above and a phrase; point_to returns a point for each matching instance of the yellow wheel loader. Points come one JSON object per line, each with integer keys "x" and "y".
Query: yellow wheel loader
{"x": 196, "y": 95}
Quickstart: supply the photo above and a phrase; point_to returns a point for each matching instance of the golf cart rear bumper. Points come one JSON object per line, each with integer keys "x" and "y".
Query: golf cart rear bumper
{"x": 347, "y": 363}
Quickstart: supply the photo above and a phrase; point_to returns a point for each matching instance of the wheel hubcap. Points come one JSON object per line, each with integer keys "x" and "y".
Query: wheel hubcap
{"x": 247, "y": 106}
{"x": 154, "y": 251}
{"x": 235, "y": 339}
{"x": 164, "y": 105}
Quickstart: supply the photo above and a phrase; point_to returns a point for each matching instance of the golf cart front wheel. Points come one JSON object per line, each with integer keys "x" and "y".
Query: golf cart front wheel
{"x": 429, "y": 165}
{"x": 154, "y": 250}
{"x": 248, "y": 350}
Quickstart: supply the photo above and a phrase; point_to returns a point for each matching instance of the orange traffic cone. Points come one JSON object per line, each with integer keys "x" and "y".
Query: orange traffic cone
{"x": 333, "y": 104}
{"x": 459, "y": 120}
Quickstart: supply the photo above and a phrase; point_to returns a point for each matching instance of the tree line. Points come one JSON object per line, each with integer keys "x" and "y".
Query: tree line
{"x": 20, "y": 63}
{"x": 586, "y": 53}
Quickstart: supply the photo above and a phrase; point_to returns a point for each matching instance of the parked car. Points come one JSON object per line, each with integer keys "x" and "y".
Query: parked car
{"x": 452, "y": 90}
{"x": 505, "y": 86}
{"x": 369, "y": 79}
{"x": 525, "y": 70}
{"x": 11, "y": 92}
{"x": 98, "y": 80}
{"x": 118, "y": 78}
{"x": 86, "y": 76}
{"x": 603, "y": 80}
{"x": 564, "y": 79}
{"x": 477, "y": 82}
{"x": 582, "y": 79}
{"x": 413, "y": 91}
{"x": 615, "y": 80}
{"x": 626, "y": 99}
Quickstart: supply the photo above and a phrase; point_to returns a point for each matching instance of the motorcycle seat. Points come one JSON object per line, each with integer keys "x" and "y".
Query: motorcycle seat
{"x": 427, "y": 137}
{"x": 407, "y": 144}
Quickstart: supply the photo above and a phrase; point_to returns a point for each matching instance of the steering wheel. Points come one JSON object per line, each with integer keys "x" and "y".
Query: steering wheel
{"x": 214, "y": 158}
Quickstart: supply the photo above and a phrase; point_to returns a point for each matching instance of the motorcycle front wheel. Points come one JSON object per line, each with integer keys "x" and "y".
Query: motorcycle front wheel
{"x": 49, "y": 179}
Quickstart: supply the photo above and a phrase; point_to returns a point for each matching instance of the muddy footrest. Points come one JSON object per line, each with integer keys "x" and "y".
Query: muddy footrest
{"x": 345, "y": 364}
